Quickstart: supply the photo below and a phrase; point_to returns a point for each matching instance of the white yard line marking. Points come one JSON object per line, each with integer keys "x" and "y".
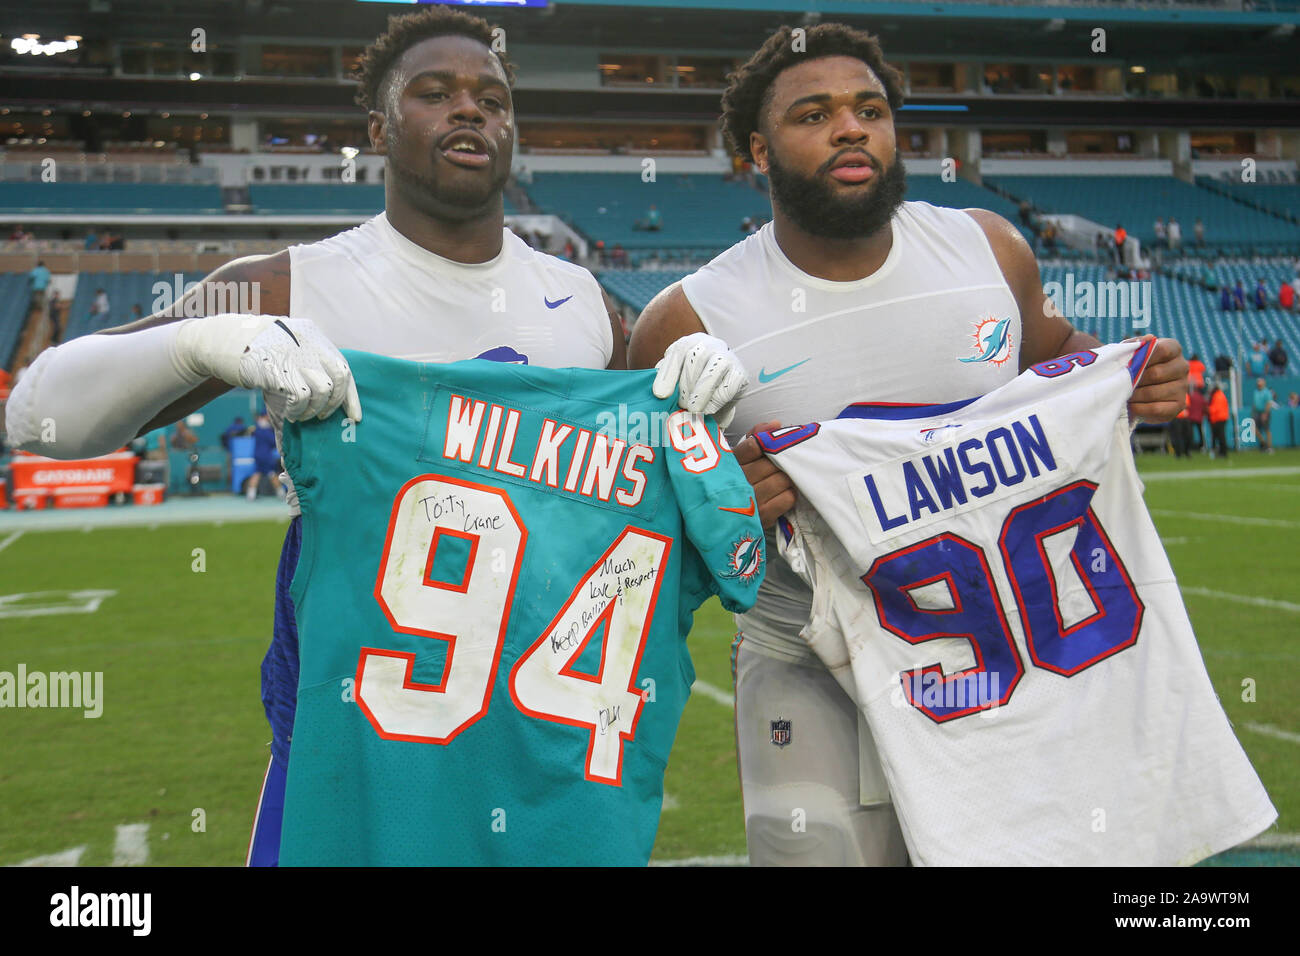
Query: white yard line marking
{"x": 732, "y": 860}
{"x": 1215, "y": 473}
{"x": 1242, "y": 599}
{"x": 1227, "y": 519}
{"x": 66, "y": 858}
{"x": 10, "y": 540}
{"x": 1268, "y": 730}
{"x": 131, "y": 847}
{"x": 1174, "y": 540}
{"x": 713, "y": 693}
{"x": 671, "y": 802}
{"x": 1273, "y": 841}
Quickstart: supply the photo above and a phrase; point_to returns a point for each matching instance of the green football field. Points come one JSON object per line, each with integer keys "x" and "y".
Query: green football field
{"x": 170, "y": 772}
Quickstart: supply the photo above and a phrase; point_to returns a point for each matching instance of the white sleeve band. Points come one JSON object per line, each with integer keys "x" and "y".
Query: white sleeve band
{"x": 91, "y": 396}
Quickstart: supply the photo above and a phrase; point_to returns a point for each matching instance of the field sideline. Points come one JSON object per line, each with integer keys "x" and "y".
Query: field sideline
{"x": 182, "y": 740}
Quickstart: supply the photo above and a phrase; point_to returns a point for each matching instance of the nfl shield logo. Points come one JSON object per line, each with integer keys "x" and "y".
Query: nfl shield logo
{"x": 781, "y": 733}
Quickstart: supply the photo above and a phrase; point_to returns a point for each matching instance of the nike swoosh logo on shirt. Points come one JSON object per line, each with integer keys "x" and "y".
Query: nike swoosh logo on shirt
{"x": 765, "y": 376}
{"x": 557, "y": 303}
{"x": 741, "y": 511}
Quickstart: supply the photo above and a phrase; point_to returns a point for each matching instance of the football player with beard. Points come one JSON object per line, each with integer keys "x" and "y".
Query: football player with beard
{"x": 849, "y": 295}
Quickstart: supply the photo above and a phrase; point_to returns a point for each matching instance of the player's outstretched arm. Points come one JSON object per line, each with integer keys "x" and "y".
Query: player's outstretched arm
{"x": 90, "y": 396}
{"x": 1046, "y": 334}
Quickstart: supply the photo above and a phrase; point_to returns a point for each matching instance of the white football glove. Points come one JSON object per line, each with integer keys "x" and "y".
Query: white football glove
{"x": 707, "y": 375}
{"x": 299, "y": 371}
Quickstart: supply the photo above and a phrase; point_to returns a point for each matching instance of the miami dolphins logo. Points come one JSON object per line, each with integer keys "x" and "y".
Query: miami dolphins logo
{"x": 992, "y": 341}
{"x": 745, "y": 559}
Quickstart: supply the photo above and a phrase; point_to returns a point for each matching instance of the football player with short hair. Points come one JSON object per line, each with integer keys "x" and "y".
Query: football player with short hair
{"x": 849, "y": 295}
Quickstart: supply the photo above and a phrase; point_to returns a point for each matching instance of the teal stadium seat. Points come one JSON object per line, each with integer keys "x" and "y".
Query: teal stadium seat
{"x": 124, "y": 289}
{"x": 15, "y": 301}
{"x": 1137, "y": 201}
{"x": 321, "y": 199}
{"x": 27, "y": 198}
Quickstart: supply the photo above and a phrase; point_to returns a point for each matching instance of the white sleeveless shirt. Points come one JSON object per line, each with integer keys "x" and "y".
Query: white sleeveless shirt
{"x": 370, "y": 288}
{"x": 935, "y": 323}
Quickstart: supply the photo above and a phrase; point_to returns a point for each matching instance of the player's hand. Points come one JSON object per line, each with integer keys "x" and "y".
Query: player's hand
{"x": 707, "y": 375}
{"x": 298, "y": 370}
{"x": 773, "y": 489}
{"x": 1161, "y": 392}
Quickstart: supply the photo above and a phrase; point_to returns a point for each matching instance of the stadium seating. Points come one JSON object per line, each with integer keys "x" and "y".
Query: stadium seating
{"x": 1137, "y": 201}
{"x": 637, "y": 287}
{"x": 1280, "y": 199}
{"x": 124, "y": 289}
{"x": 701, "y": 212}
{"x": 321, "y": 199}
{"x": 25, "y": 198}
{"x": 15, "y": 300}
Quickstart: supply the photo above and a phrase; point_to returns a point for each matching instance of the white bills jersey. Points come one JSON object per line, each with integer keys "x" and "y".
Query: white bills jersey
{"x": 988, "y": 586}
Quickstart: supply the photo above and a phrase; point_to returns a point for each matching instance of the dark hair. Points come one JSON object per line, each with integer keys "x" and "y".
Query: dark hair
{"x": 409, "y": 29}
{"x": 748, "y": 87}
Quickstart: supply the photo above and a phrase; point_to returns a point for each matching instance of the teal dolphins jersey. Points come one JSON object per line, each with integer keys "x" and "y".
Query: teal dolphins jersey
{"x": 499, "y": 569}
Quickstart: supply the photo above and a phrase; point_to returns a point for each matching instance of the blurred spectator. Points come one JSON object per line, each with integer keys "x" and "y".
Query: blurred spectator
{"x": 1225, "y": 299}
{"x": 747, "y": 225}
{"x": 1239, "y": 297}
{"x": 99, "y": 307}
{"x": 5, "y": 381}
{"x": 17, "y": 234}
{"x": 56, "y": 315}
{"x": 92, "y": 240}
{"x": 1277, "y": 358}
{"x": 152, "y": 445}
{"x": 1159, "y": 230}
{"x": 1261, "y": 295}
{"x": 266, "y": 458}
{"x": 1218, "y": 420}
{"x": 1257, "y": 360}
{"x": 1180, "y": 431}
{"x": 1196, "y": 416}
{"x": 1208, "y": 277}
{"x": 234, "y": 430}
{"x": 569, "y": 250}
{"x": 1196, "y": 371}
{"x": 1293, "y": 400}
{"x": 1198, "y": 231}
{"x": 117, "y": 242}
{"x": 136, "y": 312}
{"x": 1121, "y": 234}
{"x": 1262, "y": 411}
{"x": 1175, "y": 234}
{"x": 1049, "y": 236}
{"x": 184, "y": 438}
{"x": 40, "y": 279}
{"x": 652, "y": 222}
{"x": 1286, "y": 296}
{"x": 1222, "y": 364}
{"x": 618, "y": 255}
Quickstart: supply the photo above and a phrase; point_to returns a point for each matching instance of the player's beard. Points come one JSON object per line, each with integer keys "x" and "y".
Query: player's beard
{"x": 428, "y": 193}
{"x": 815, "y": 206}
